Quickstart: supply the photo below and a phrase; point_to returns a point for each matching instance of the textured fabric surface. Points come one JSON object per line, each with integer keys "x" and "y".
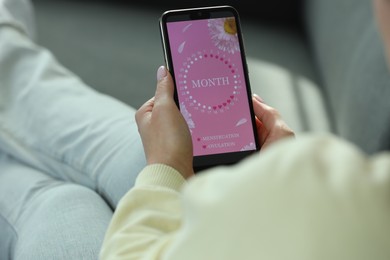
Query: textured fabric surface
{"x": 43, "y": 218}
{"x": 52, "y": 121}
{"x": 62, "y": 144}
{"x": 351, "y": 61}
{"x": 19, "y": 14}
{"x": 309, "y": 204}
{"x": 8, "y": 238}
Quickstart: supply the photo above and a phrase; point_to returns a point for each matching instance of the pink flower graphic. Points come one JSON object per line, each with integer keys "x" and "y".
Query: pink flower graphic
{"x": 223, "y": 33}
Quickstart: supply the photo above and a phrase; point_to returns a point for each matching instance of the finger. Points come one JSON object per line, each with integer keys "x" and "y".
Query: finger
{"x": 164, "y": 92}
{"x": 271, "y": 121}
{"x": 262, "y": 132}
{"x": 258, "y": 98}
{"x": 266, "y": 114}
{"x": 147, "y": 107}
{"x": 165, "y": 86}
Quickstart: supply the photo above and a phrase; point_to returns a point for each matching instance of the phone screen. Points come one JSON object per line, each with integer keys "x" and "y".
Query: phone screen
{"x": 211, "y": 82}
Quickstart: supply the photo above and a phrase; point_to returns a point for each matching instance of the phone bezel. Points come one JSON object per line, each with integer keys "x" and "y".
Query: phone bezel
{"x": 206, "y": 161}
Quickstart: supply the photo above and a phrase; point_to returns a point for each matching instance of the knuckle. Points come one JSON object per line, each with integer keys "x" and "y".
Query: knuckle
{"x": 138, "y": 115}
{"x": 274, "y": 112}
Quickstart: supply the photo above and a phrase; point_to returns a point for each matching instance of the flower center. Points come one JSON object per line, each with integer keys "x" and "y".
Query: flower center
{"x": 230, "y": 26}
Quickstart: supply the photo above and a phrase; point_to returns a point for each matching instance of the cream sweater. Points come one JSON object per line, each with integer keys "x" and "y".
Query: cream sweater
{"x": 315, "y": 197}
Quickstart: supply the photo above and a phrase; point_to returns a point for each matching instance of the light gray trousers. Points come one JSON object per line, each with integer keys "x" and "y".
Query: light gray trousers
{"x": 67, "y": 153}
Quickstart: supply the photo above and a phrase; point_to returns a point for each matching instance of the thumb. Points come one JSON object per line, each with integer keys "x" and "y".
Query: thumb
{"x": 165, "y": 86}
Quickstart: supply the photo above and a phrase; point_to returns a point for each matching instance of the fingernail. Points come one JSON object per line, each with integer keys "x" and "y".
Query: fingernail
{"x": 258, "y": 98}
{"x": 161, "y": 73}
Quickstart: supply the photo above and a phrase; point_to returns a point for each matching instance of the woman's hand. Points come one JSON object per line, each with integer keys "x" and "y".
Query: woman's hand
{"x": 167, "y": 139}
{"x": 164, "y": 132}
{"x": 270, "y": 125}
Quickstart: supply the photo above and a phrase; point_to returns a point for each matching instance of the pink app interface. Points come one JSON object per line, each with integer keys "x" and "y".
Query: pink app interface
{"x": 211, "y": 85}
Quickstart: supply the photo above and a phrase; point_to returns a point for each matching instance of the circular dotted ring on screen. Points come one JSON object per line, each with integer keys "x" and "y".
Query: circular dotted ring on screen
{"x": 228, "y": 101}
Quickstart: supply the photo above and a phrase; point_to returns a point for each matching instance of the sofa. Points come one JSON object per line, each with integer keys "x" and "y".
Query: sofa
{"x": 320, "y": 63}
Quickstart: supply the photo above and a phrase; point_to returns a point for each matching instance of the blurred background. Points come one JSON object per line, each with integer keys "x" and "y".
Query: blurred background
{"x": 115, "y": 46}
{"x": 319, "y": 62}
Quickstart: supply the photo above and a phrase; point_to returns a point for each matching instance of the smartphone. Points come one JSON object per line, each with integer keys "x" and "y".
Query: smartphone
{"x": 204, "y": 52}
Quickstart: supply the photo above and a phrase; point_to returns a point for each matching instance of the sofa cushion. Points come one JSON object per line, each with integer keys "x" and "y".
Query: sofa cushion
{"x": 297, "y": 98}
{"x": 350, "y": 55}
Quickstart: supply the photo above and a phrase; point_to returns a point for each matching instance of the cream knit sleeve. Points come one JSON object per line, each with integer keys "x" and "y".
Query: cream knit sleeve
{"x": 316, "y": 197}
{"x": 146, "y": 217}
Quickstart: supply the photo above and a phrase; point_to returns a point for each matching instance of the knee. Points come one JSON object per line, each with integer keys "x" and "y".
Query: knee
{"x": 61, "y": 222}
